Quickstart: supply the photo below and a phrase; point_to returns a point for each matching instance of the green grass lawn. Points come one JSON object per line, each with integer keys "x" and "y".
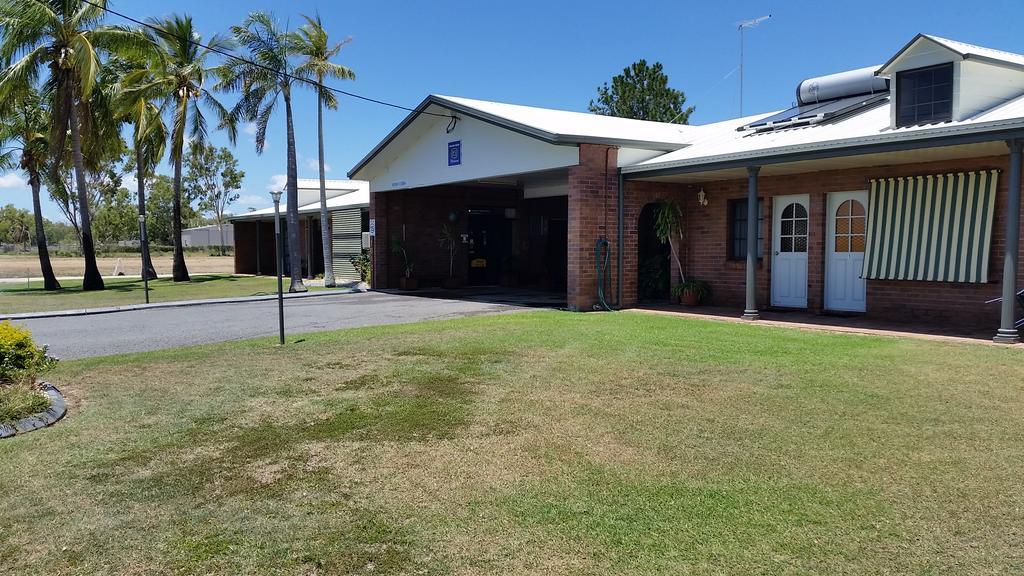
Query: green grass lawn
{"x": 530, "y": 443}
{"x": 19, "y": 297}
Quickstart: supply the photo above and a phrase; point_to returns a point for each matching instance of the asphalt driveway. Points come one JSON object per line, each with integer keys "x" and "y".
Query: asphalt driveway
{"x": 155, "y": 329}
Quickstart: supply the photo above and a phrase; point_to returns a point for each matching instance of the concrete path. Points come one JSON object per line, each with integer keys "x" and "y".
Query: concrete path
{"x": 155, "y": 329}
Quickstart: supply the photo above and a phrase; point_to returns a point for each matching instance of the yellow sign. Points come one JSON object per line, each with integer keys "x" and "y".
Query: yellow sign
{"x": 478, "y": 263}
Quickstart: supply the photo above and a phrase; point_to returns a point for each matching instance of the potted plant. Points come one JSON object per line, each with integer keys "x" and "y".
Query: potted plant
{"x": 668, "y": 226}
{"x": 364, "y": 267}
{"x": 692, "y": 291}
{"x": 449, "y": 239}
{"x": 406, "y": 282}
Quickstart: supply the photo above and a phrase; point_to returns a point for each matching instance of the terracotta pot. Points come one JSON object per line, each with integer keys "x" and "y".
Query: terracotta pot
{"x": 687, "y": 298}
{"x": 408, "y": 283}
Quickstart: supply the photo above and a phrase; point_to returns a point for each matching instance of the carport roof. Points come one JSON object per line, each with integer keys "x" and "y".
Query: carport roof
{"x": 358, "y": 198}
{"x": 552, "y": 126}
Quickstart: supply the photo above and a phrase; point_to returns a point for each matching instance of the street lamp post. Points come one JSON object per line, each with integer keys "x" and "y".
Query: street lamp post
{"x": 142, "y": 254}
{"x": 278, "y": 240}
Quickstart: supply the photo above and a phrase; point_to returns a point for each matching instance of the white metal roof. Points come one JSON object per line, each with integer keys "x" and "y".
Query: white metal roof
{"x": 965, "y": 49}
{"x": 351, "y": 199}
{"x": 693, "y": 145}
{"x": 722, "y": 142}
{"x": 579, "y": 125}
{"x": 962, "y": 49}
{"x": 553, "y": 126}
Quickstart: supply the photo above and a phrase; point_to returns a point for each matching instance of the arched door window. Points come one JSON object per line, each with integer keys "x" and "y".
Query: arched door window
{"x": 851, "y": 227}
{"x": 793, "y": 233}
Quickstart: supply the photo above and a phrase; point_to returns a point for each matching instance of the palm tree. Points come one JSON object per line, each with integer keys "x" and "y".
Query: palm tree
{"x": 180, "y": 73}
{"x": 63, "y": 37}
{"x": 149, "y": 136}
{"x": 310, "y": 42}
{"x": 23, "y": 130}
{"x": 267, "y": 75}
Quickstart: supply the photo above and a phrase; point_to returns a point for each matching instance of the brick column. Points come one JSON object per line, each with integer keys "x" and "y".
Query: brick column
{"x": 593, "y": 197}
{"x": 379, "y": 243}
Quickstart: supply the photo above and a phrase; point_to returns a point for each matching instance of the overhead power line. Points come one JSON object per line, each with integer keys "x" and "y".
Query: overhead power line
{"x": 238, "y": 58}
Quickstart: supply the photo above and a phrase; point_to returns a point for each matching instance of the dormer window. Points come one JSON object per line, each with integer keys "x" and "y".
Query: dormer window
{"x": 924, "y": 95}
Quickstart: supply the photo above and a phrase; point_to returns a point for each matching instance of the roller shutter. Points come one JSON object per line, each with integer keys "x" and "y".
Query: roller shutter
{"x": 346, "y": 241}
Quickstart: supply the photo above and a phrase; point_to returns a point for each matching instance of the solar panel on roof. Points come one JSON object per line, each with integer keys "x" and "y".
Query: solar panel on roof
{"x": 818, "y": 111}
{"x": 786, "y": 115}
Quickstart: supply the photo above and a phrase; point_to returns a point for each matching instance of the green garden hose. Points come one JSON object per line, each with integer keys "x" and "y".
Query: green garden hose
{"x": 603, "y": 257}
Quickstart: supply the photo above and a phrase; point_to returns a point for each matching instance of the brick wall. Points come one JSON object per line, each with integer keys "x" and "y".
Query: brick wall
{"x": 593, "y": 214}
{"x": 941, "y": 303}
{"x": 417, "y": 217}
{"x": 246, "y": 250}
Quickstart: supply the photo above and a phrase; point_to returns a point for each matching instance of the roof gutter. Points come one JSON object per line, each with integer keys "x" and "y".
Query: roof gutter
{"x": 789, "y": 154}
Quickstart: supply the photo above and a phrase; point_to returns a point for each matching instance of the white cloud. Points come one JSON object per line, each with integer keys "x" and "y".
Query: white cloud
{"x": 314, "y": 165}
{"x": 249, "y": 128}
{"x": 11, "y": 180}
{"x": 277, "y": 182}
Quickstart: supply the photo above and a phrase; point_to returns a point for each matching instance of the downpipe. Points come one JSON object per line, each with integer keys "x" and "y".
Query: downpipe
{"x": 602, "y": 257}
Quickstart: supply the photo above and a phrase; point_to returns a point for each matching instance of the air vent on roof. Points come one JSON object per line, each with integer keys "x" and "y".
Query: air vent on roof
{"x": 827, "y": 97}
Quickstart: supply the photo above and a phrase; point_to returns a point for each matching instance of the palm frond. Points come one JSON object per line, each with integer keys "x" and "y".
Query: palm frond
{"x": 22, "y": 73}
{"x": 178, "y": 122}
{"x": 85, "y": 63}
{"x": 26, "y": 24}
{"x": 225, "y": 120}
{"x": 262, "y": 122}
{"x": 198, "y": 128}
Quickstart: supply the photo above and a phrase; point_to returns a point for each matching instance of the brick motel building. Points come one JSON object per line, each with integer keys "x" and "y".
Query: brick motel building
{"x": 890, "y": 192}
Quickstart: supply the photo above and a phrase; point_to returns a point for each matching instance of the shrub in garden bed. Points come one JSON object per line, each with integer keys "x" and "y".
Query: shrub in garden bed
{"x": 21, "y": 364}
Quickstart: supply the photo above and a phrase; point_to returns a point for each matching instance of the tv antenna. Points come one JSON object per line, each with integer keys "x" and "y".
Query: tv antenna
{"x": 752, "y": 23}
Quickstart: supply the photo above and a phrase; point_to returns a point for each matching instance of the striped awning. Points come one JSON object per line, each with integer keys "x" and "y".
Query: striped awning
{"x": 936, "y": 227}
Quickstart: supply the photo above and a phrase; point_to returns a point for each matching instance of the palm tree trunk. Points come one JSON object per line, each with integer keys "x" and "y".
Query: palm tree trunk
{"x": 325, "y": 231}
{"x": 49, "y": 279}
{"x": 179, "y": 271}
{"x": 293, "y": 202}
{"x": 148, "y": 271}
{"x": 92, "y": 279}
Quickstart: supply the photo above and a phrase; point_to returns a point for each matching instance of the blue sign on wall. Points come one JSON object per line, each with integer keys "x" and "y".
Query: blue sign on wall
{"x": 455, "y": 153}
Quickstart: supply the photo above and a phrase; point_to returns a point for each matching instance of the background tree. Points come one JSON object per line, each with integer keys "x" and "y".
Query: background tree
{"x": 24, "y": 142}
{"x": 58, "y": 233}
{"x": 115, "y": 218}
{"x": 160, "y": 205}
{"x": 311, "y": 43}
{"x": 64, "y": 38}
{"x": 642, "y": 92}
{"x": 262, "y": 87}
{"x": 213, "y": 178}
{"x": 15, "y": 225}
{"x": 181, "y": 72}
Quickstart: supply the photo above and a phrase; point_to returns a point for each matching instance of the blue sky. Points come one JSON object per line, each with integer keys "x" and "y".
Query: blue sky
{"x": 555, "y": 54}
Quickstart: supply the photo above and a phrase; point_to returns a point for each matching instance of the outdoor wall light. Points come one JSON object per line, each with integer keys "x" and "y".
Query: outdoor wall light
{"x": 702, "y": 197}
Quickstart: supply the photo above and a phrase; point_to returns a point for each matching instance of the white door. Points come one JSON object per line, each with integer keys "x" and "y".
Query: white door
{"x": 790, "y": 227}
{"x": 844, "y": 251}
